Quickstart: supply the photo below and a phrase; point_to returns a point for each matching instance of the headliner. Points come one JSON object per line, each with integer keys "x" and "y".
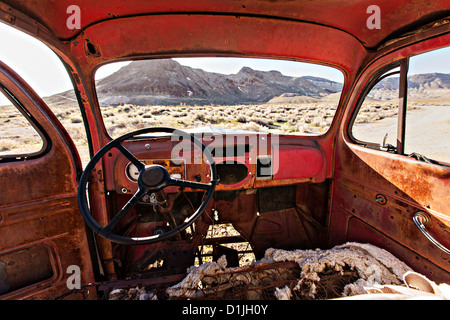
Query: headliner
{"x": 349, "y": 16}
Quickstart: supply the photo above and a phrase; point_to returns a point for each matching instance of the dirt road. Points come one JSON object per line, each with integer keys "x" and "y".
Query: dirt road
{"x": 427, "y": 131}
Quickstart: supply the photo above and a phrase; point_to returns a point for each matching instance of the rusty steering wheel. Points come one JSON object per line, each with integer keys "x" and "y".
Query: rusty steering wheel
{"x": 152, "y": 178}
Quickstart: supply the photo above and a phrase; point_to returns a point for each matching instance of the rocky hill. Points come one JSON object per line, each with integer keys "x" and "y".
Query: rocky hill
{"x": 167, "y": 82}
{"x": 421, "y": 87}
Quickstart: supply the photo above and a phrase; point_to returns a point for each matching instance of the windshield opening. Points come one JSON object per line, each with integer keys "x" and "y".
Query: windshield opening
{"x": 262, "y": 95}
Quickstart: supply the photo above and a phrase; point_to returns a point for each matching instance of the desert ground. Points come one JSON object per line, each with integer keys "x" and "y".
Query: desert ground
{"x": 427, "y": 126}
{"x": 427, "y": 131}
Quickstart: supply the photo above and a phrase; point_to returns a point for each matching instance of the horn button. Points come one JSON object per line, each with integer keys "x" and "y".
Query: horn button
{"x": 154, "y": 175}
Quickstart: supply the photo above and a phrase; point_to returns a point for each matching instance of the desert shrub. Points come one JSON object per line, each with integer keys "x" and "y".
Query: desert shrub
{"x": 200, "y": 117}
{"x": 316, "y": 121}
{"x": 61, "y": 115}
{"x": 241, "y": 119}
{"x": 76, "y": 120}
{"x": 7, "y": 144}
{"x": 179, "y": 114}
{"x": 213, "y": 119}
{"x": 262, "y": 121}
{"x": 308, "y": 119}
{"x": 279, "y": 118}
{"x": 77, "y": 133}
{"x": 252, "y": 126}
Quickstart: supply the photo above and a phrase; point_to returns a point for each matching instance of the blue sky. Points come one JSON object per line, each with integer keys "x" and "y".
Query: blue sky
{"x": 43, "y": 70}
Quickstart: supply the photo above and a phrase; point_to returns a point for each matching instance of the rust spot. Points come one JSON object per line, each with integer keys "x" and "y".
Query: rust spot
{"x": 91, "y": 49}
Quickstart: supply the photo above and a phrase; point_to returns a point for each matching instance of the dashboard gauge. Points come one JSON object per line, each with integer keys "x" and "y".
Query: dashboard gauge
{"x": 176, "y": 176}
{"x": 176, "y": 171}
{"x": 132, "y": 172}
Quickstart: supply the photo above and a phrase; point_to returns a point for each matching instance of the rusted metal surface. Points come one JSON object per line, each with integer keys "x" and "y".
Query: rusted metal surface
{"x": 331, "y": 197}
{"x": 164, "y": 280}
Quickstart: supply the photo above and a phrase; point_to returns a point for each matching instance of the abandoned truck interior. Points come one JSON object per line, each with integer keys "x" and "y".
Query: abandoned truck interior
{"x": 223, "y": 137}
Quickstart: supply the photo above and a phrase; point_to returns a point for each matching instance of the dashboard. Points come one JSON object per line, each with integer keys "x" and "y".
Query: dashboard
{"x": 243, "y": 161}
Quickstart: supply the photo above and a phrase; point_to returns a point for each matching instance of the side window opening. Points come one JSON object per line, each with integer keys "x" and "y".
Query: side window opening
{"x": 427, "y": 136}
{"x": 19, "y": 137}
{"x": 407, "y": 110}
{"x": 376, "y": 121}
{"x": 43, "y": 70}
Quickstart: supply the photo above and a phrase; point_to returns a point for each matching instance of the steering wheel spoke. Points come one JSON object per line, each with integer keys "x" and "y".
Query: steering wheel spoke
{"x": 124, "y": 211}
{"x": 130, "y": 157}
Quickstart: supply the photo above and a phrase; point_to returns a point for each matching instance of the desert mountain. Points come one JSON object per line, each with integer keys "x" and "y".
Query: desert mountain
{"x": 156, "y": 82}
{"x": 424, "y": 81}
{"x": 167, "y": 82}
{"x": 421, "y": 87}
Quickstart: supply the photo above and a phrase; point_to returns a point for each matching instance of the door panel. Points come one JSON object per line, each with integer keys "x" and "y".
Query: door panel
{"x": 41, "y": 228}
{"x": 375, "y": 197}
